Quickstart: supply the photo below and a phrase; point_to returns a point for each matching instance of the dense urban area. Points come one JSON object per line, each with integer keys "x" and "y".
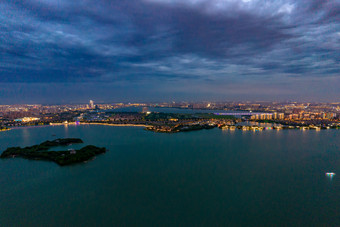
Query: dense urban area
{"x": 226, "y": 115}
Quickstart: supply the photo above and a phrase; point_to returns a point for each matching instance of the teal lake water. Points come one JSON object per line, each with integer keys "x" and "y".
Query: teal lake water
{"x": 200, "y": 178}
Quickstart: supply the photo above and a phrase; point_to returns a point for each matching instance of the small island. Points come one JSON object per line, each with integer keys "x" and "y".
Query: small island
{"x": 62, "y": 158}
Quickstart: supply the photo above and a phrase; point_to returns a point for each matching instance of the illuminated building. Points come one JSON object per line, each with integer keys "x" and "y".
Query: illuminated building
{"x": 91, "y": 104}
{"x": 27, "y": 119}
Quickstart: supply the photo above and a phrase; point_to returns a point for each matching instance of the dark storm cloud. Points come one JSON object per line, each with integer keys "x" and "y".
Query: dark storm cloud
{"x": 156, "y": 40}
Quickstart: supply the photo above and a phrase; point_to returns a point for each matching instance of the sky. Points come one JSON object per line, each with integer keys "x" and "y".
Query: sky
{"x": 62, "y": 51}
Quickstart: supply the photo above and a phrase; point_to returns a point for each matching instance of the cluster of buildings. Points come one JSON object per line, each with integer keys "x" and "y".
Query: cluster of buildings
{"x": 268, "y": 116}
{"x": 286, "y": 112}
{"x": 295, "y": 116}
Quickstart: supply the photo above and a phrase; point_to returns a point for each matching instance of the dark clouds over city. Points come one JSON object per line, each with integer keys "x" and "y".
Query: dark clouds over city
{"x": 153, "y": 50}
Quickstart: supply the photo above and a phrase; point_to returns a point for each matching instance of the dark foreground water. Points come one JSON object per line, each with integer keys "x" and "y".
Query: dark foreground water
{"x": 202, "y": 178}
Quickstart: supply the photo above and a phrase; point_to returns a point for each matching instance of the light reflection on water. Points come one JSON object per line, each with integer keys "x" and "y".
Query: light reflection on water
{"x": 25, "y": 135}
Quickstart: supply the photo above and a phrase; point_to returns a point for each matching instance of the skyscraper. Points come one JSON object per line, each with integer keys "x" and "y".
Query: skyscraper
{"x": 91, "y": 104}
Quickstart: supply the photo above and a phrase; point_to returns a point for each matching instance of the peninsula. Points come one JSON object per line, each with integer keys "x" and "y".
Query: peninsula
{"x": 66, "y": 157}
{"x": 4, "y": 129}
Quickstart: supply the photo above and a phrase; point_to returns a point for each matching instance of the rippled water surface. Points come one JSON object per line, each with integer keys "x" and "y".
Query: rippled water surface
{"x": 200, "y": 178}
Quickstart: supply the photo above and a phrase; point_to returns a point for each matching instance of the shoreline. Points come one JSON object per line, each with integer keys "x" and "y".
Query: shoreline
{"x": 74, "y": 124}
{"x": 150, "y": 127}
{"x": 118, "y": 125}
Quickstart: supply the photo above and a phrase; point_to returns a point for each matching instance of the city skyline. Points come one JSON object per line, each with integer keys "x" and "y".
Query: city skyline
{"x": 176, "y": 117}
{"x": 153, "y": 51}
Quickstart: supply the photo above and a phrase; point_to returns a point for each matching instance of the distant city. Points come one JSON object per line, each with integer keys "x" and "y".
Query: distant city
{"x": 293, "y": 114}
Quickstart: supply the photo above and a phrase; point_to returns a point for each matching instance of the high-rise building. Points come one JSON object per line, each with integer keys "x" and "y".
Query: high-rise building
{"x": 269, "y": 116}
{"x": 262, "y": 116}
{"x": 91, "y": 104}
{"x": 275, "y": 115}
{"x": 281, "y": 116}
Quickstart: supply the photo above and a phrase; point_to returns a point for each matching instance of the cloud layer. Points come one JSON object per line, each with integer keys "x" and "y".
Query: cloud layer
{"x": 178, "y": 46}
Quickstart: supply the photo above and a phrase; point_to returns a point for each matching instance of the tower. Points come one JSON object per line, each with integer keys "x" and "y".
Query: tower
{"x": 91, "y": 104}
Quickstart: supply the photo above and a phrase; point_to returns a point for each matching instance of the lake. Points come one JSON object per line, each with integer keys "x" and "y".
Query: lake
{"x": 198, "y": 178}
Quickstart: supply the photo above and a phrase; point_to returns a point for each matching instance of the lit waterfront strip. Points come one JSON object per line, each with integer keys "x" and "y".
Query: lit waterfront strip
{"x": 240, "y": 114}
{"x": 119, "y": 125}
